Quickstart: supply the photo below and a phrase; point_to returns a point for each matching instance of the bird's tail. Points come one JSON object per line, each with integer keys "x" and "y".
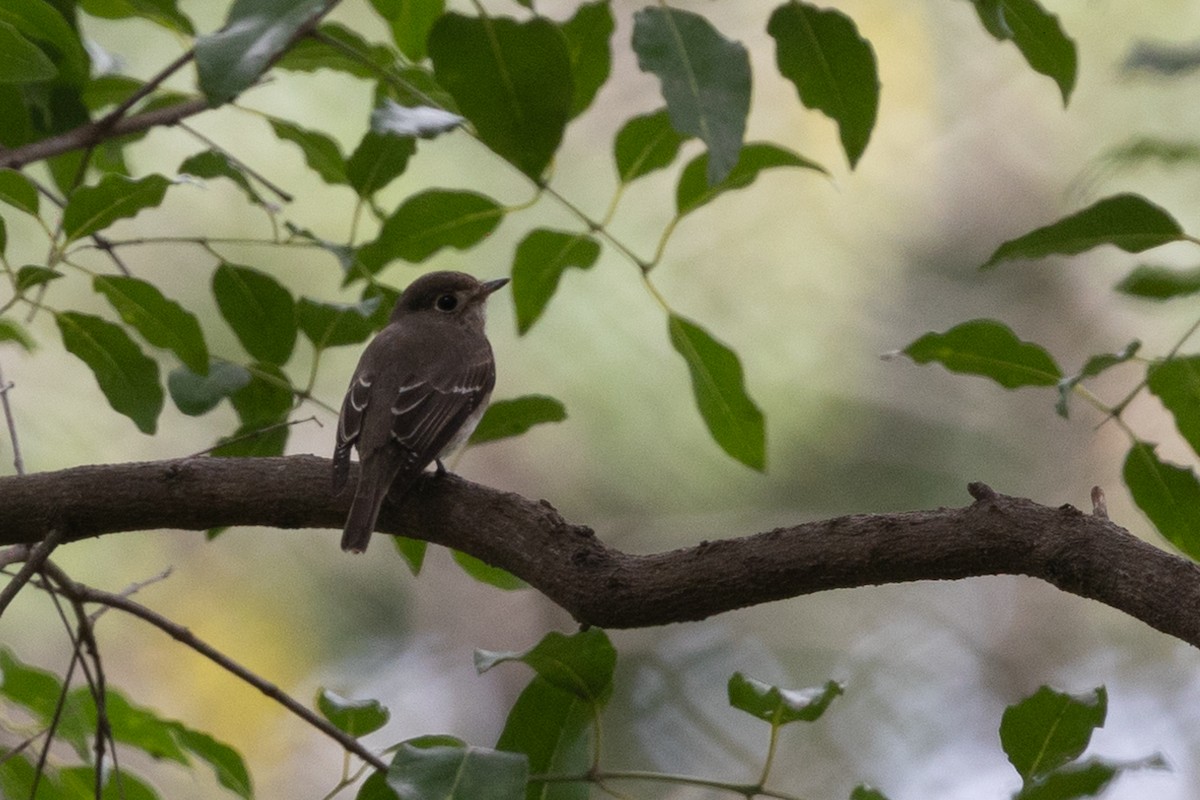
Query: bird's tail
{"x": 364, "y": 510}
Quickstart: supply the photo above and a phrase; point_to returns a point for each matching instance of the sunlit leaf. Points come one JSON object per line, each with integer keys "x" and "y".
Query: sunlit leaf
{"x": 540, "y": 260}
{"x": 1167, "y": 494}
{"x": 705, "y": 80}
{"x": 260, "y": 311}
{"x": 511, "y": 79}
{"x": 34, "y": 689}
{"x": 645, "y": 144}
{"x": 1127, "y": 221}
{"x": 695, "y": 190}
{"x": 832, "y": 66}
{"x": 355, "y": 717}
{"x": 127, "y": 377}
{"x": 424, "y": 122}
{"x": 161, "y": 322}
{"x": 198, "y": 394}
{"x": 1160, "y": 283}
{"x": 780, "y": 706}
{"x": 485, "y": 573}
{"x": 93, "y": 208}
{"x": 412, "y": 551}
{"x": 505, "y": 418}
{"x": 581, "y": 664}
{"x": 990, "y": 349}
{"x": 732, "y": 417}
{"x": 445, "y": 768}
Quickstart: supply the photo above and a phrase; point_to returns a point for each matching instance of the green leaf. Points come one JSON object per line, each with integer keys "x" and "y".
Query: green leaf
{"x": 22, "y": 61}
{"x": 127, "y": 377}
{"x": 1050, "y": 728}
{"x": 780, "y": 706}
{"x": 355, "y": 717}
{"x": 80, "y": 782}
{"x": 93, "y": 208}
{"x": 988, "y": 348}
{"x": 1085, "y": 779}
{"x": 485, "y": 573}
{"x": 1168, "y": 495}
{"x": 550, "y": 727}
{"x": 581, "y": 664}
{"x": 865, "y": 792}
{"x": 198, "y": 394}
{"x": 260, "y": 311}
{"x": 832, "y": 67}
{"x": 32, "y": 275}
{"x": 161, "y": 322}
{"x": 336, "y": 324}
{"x": 133, "y": 725}
{"x": 645, "y": 144}
{"x": 29, "y": 687}
{"x": 588, "y": 33}
{"x": 511, "y": 79}
{"x": 348, "y": 53}
{"x": 425, "y": 122}
{"x": 377, "y": 161}
{"x": 733, "y": 419}
{"x": 321, "y": 153}
{"x": 540, "y": 260}
{"x": 255, "y": 33}
{"x": 1160, "y": 283}
{"x": 160, "y": 12}
{"x": 411, "y": 21}
{"x": 1176, "y": 383}
{"x": 1094, "y": 366}
{"x": 1037, "y": 35}
{"x": 1127, "y": 221}
{"x": 263, "y": 406}
{"x": 12, "y": 332}
{"x": 505, "y": 418}
{"x": 429, "y": 221}
{"x": 226, "y": 762}
{"x": 375, "y": 787}
{"x": 215, "y": 164}
{"x": 40, "y": 21}
{"x": 412, "y": 551}
{"x": 695, "y": 189}
{"x": 445, "y": 768}
{"x": 705, "y": 80}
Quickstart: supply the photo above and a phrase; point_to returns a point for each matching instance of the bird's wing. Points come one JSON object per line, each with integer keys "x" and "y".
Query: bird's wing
{"x": 427, "y": 414}
{"x": 350, "y": 426}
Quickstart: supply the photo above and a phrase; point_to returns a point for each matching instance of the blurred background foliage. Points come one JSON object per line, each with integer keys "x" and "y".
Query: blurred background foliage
{"x": 810, "y": 279}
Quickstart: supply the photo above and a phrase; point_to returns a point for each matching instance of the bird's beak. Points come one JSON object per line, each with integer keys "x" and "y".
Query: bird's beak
{"x": 487, "y": 287}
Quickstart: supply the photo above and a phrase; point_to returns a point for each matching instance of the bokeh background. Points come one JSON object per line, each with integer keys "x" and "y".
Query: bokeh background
{"x": 811, "y": 280}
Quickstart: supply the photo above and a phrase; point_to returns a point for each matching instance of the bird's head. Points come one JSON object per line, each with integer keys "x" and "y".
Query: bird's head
{"x": 450, "y": 295}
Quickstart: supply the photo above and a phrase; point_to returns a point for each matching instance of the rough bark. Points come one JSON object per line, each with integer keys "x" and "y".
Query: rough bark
{"x": 1084, "y": 554}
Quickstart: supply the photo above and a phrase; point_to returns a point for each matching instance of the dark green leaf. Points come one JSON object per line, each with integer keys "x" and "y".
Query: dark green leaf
{"x": 93, "y": 208}
{"x": 127, "y": 377}
{"x": 80, "y": 782}
{"x": 486, "y": 573}
{"x": 505, "y": 418}
{"x": 588, "y": 33}
{"x": 1085, "y": 779}
{"x": 1160, "y": 283}
{"x": 832, "y": 67}
{"x": 310, "y": 54}
{"x": 445, "y": 768}
{"x": 215, "y": 164}
{"x": 263, "y": 406}
{"x": 695, "y": 190}
{"x": 377, "y": 161}
{"x": 581, "y": 664}
{"x": 705, "y": 80}
{"x": 865, "y": 792}
{"x": 160, "y": 12}
{"x": 198, "y": 394}
{"x": 133, "y": 725}
{"x": 645, "y": 144}
{"x": 226, "y": 762}
{"x": 1127, "y": 221}
{"x": 255, "y": 33}
{"x": 12, "y": 332}
{"x": 541, "y": 258}
{"x": 412, "y": 551}
{"x": 161, "y": 322}
{"x": 22, "y": 61}
{"x": 1038, "y": 36}
{"x": 321, "y": 153}
{"x": 411, "y": 21}
{"x": 1168, "y": 495}
{"x": 425, "y": 122}
{"x": 1094, "y": 366}
{"x": 780, "y": 706}
{"x": 415, "y": 85}
{"x": 429, "y": 221}
{"x": 355, "y": 717}
{"x": 375, "y": 787}
{"x": 41, "y": 22}
{"x": 549, "y": 726}
{"x": 732, "y": 417}
{"x": 988, "y": 348}
{"x": 1050, "y": 728}
{"x": 1177, "y": 384}
{"x": 260, "y": 311}
{"x": 32, "y": 275}
{"x": 29, "y": 687}
{"x": 336, "y": 324}
{"x": 511, "y": 79}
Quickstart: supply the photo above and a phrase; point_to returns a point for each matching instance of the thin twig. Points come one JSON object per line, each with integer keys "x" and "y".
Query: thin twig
{"x": 242, "y": 165}
{"x": 255, "y": 434}
{"x": 18, "y": 462}
{"x": 33, "y": 563}
{"x": 110, "y": 119}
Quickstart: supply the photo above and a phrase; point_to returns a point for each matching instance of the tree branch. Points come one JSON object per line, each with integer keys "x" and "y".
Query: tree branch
{"x": 1079, "y": 553}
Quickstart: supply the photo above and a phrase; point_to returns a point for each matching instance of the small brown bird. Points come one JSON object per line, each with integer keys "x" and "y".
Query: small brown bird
{"x": 417, "y": 394}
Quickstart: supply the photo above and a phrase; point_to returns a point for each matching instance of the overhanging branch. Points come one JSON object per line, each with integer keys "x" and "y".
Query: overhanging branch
{"x": 995, "y": 535}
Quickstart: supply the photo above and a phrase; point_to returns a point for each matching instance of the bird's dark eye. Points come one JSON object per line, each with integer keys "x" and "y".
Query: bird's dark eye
{"x": 446, "y": 302}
